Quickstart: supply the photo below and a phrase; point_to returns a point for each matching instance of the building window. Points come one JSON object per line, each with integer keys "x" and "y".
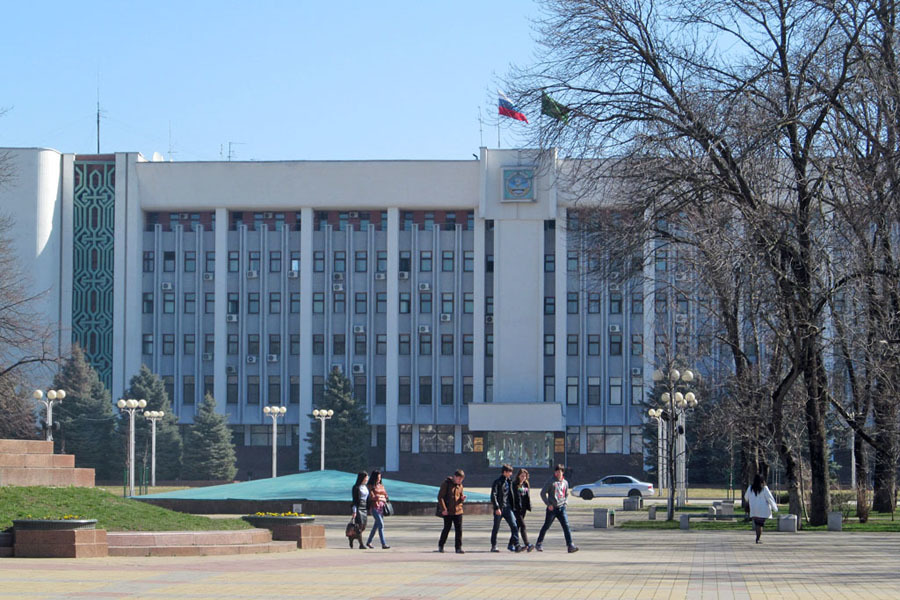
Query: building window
{"x": 148, "y": 262}
{"x": 428, "y": 221}
{"x": 295, "y": 302}
{"x": 595, "y": 443}
{"x": 404, "y": 303}
{"x": 447, "y": 302}
{"x": 549, "y": 388}
{"x": 425, "y": 302}
{"x": 381, "y": 390}
{"x": 168, "y": 345}
{"x": 275, "y": 261}
{"x": 593, "y": 345}
{"x": 594, "y": 303}
{"x": 253, "y": 303}
{"x": 488, "y": 305}
{"x": 294, "y": 393}
{"x": 169, "y": 385}
{"x": 253, "y": 344}
{"x": 318, "y": 302}
{"x": 169, "y": 262}
{"x": 593, "y": 395}
{"x": 381, "y": 344}
{"x": 488, "y": 389}
{"x": 424, "y": 344}
{"x": 615, "y": 303}
{"x": 190, "y": 303}
{"x": 381, "y": 261}
{"x": 273, "y": 393}
{"x": 234, "y": 261}
{"x": 209, "y": 343}
{"x": 147, "y": 343}
{"x": 661, "y": 260}
{"x": 274, "y": 303}
{"x": 637, "y": 393}
{"x": 573, "y": 440}
{"x": 187, "y": 389}
{"x": 447, "y": 261}
{"x": 295, "y": 260}
{"x": 468, "y": 344}
{"x": 231, "y": 390}
{"x": 405, "y": 438}
{"x": 571, "y": 390}
{"x": 190, "y": 261}
{"x": 405, "y": 261}
{"x": 234, "y": 303}
{"x": 571, "y": 261}
{"x": 253, "y": 260}
{"x": 209, "y": 385}
{"x": 572, "y": 344}
{"x": 425, "y": 261}
{"x": 489, "y": 344}
{"x": 318, "y": 344}
{"x": 253, "y": 389}
{"x": 318, "y": 261}
{"x": 209, "y": 303}
{"x": 425, "y": 389}
{"x": 274, "y": 343}
{"x": 613, "y": 437}
{"x": 340, "y": 261}
{"x": 169, "y": 303}
{"x": 489, "y": 263}
{"x": 572, "y": 303}
{"x": 549, "y": 305}
{"x": 359, "y": 303}
{"x": 338, "y": 302}
{"x": 637, "y": 344}
{"x": 404, "y": 391}
{"x": 467, "y": 390}
{"x": 549, "y": 344}
{"x": 403, "y": 347}
{"x": 232, "y": 343}
{"x": 360, "y": 261}
{"x": 447, "y": 344}
{"x": 359, "y": 344}
{"x": 637, "y": 303}
{"x": 446, "y": 390}
{"x": 294, "y": 342}
{"x": 615, "y": 390}
{"x": 147, "y": 303}
{"x": 468, "y": 303}
{"x": 436, "y": 439}
{"x": 381, "y": 302}
{"x": 549, "y": 263}
{"x": 615, "y": 344}
{"x": 189, "y": 343}
{"x": 338, "y": 344}
{"x": 318, "y": 389}
{"x": 468, "y": 261}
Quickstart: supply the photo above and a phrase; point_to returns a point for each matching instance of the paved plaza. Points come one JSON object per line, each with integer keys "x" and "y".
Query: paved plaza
{"x": 611, "y": 564}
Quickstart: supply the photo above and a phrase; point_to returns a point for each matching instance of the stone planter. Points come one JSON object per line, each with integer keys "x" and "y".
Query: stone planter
{"x": 53, "y": 524}
{"x": 270, "y": 522}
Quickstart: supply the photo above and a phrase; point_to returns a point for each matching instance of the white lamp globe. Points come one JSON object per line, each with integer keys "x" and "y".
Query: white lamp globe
{"x": 142, "y": 403}
{"x": 316, "y": 413}
{"x": 51, "y": 395}
{"x": 161, "y": 414}
{"x": 657, "y": 375}
{"x": 674, "y": 374}
{"x": 679, "y": 398}
{"x": 267, "y": 410}
{"x": 38, "y": 394}
{"x": 687, "y": 376}
{"x": 282, "y": 409}
{"x": 60, "y": 394}
{"x": 131, "y": 403}
{"x": 121, "y": 403}
{"x": 330, "y": 412}
{"x": 665, "y": 397}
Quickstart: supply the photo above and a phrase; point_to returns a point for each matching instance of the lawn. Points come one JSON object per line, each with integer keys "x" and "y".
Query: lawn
{"x": 878, "y": 523}
{"x": 112, "y": 512}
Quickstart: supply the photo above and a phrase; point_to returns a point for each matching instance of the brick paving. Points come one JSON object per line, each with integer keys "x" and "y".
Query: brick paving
{"x": 611, "y": 564}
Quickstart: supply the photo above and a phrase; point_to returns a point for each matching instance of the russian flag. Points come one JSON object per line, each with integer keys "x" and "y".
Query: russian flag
{"x": 507, "y": 109}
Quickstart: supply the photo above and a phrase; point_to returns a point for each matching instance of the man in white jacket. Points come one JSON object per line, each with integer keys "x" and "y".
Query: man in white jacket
{"x": 762, "y": 503}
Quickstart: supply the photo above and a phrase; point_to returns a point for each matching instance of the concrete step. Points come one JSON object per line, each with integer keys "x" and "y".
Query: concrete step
{"x": 203, "y": 550}
{"x": 26, "y": 447}
{"x": 50, "y": 476}
{"x": 60, "y": 461}
{"x": 195, "y": 543}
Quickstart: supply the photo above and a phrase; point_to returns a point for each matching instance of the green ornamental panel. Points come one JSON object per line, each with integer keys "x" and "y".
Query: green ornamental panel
{"x": 93, "y": 255}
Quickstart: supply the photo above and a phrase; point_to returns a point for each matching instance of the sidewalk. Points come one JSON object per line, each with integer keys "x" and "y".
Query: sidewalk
{"x": 611, "y": 564}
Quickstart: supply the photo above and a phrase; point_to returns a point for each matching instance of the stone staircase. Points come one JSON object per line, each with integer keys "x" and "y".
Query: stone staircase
{"x": 32, "y": 462}
{"x": 195, "y": 543}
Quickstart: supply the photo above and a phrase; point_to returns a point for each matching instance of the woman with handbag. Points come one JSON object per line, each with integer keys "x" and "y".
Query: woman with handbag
{"x": 360, "y": 501}
{"x": 378, "y": 504}
{"x": 522, "y": 504}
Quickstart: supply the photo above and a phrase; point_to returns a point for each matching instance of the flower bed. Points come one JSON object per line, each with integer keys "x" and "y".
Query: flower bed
{"x": 67, "y": 522}
{"x": 271, "y": 520}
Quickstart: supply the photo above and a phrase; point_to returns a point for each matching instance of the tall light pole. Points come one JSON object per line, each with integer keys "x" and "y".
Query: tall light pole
{"x": 657, "y": 415}
{"x": 53, "y": 396}
{"x": 677, "y": 403}
{"x": 274, "y": 412}
{"x": 131, "y": 406}
{"x": 322, "y": 416}
{"x": 153, "y": 416}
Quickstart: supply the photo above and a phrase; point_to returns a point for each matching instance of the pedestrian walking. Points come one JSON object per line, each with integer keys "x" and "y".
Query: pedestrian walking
{"x": 554, "y": 495}
{"x": 378, "y": 498}
{"x": 522, "y": 504}
{"x": 762, "y": 503}
{"x": 502, "y": 501}
{"x": 450, "y": 506}
{"x": 360, "y": 502}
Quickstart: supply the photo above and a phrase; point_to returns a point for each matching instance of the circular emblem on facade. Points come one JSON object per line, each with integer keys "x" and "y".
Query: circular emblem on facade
{"x": 518, "y": 184}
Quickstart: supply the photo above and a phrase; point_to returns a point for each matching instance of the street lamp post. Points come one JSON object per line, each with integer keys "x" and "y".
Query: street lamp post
{"x": 274, "y": 412}
{"x": 131, "y": 406}
{"x": 153, "y": 416}
{"x": 53, "y": 396}
{"x": 322, "y": 416}
{"x": 677, "y": 404}
{"x": 657, "y": 415}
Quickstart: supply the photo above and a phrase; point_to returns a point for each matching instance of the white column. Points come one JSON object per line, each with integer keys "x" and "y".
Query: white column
{"x": 220, "y": 330}
{"x": 66, "y": 260}
{"x": 392, "y": 370}
{"x": 561, "y": 275}
{"x": 307, "y": 225}
{"x": 478, "y": 326}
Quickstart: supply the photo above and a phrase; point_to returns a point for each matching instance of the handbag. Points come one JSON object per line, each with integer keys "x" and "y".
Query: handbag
{"x": 386, "y": 509}
{"x": 352, "y": 530}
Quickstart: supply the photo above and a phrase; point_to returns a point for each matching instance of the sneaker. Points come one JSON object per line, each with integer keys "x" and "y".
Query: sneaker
{"x": 573, "y": 549}
{"x": 494, "y": 549}
{"x": 460, "y": 551}
{"x": 529, "y": 547}
{"x": 539, "y": 548}
{"x": 518, "y": 548}
{"x": 385, "y": 547}
{"x": 369, "y": 545}
{"x": 440, "y": 548}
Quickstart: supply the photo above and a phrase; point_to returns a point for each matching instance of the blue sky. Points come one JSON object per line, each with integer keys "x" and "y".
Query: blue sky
{"x": 297, "y": 80}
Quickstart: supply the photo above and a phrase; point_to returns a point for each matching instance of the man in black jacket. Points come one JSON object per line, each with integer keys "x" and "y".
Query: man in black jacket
{"x": 502, "y": 500}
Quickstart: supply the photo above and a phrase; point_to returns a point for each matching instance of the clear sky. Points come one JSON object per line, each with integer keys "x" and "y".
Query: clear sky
{"x": 286, "y": 80}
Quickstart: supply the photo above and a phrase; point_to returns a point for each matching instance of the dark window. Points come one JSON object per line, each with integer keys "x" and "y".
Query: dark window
{"x": 338, "y": 344}
{"x": 210, "y": 265}
{"x": 447, "y": 260}
{"x": 446, "y": 390}
{"x": 295, "y": 302}
{"x": 447, "y": 344}
{"x": 275, "y": 261}
{"x": 468, "y": 343}
{"x": 381, "y": 344}
{"x": 318, "y": 344}
{"x": 405, "y": 260}
{"x": 295, "y": 344}
{"x": 549, "y": 305}
{"x": 190, "y": 261}
{"x": 338, "y": 302}
{"x": 425, "y": 389}
{"x": 615, "y": 344}
{"x": 572, "y": 344}
{"x": 340, "y": 261}
{"x": 209, "y": 343}
{"x": 148, "y": 262}
{"x": 253, "y": 344}
{"x": 403, "y": 347}
{"x": 404, "y": 392}
{"x": 360, "y": 261}
{"x": 168, "y": 261}
{"x": 253, "y": 303}
{"x": 232, "y": 343}
{"x": 190, "y": 303}
{"x": 234, "y": 303}
{"x": 359, "y": 344}
{"x": 360, "y": 302}
{"x": 425, "y": 261}
{"x": 381, "y": 390}
{"x": 425, "y": 344}
{"x": 572, "y": 303}
{"x": 274, "y": 343}
{"x": 253, "y": 389}
{"x": 147, "y": 303}
{"x": 615, "y": 303}
{"x": 274, "y": 303}
{"x": 425, "y": 302}
{"x": 234, "y": 261}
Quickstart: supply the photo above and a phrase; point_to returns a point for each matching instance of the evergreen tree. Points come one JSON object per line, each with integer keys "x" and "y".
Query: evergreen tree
{"x": 346, "y": 433}
{"x": 208, "y": 450}
{"x": 17, "y": 410}
{"x": 85, "y": 417}
{"x": 148, "y": 386}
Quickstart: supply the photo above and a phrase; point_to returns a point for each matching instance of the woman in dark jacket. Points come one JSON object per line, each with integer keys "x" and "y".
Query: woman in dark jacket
{"x": 360, "y": 502}
{"x": 522, "y": 504}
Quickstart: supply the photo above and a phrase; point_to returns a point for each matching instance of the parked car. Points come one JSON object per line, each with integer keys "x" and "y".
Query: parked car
{"x": 614, "y": 485}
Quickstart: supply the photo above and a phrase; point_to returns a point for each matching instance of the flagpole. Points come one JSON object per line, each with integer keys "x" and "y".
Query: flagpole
{"x": 498, "y": 134}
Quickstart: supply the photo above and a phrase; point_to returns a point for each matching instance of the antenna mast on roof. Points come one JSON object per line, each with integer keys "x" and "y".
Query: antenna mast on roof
{"x": 98, "y": 112}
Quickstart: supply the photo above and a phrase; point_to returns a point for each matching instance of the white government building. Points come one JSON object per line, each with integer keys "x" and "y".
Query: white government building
{"x": 449, "y": 292}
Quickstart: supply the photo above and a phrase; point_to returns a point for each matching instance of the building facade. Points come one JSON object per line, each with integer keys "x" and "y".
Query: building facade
{"x": 451, "y": 293}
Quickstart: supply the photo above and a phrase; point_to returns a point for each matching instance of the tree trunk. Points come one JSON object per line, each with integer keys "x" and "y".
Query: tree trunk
{"x": 861, "y": 462}
{"x": 885, "y": 471}
{"x": 817, "y": 439}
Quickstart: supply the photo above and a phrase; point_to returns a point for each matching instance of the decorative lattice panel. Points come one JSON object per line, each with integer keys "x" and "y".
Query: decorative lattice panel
{"x": 93, "y": 253}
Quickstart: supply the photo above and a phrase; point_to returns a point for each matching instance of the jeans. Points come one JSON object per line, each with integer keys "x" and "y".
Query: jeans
{"x": 520, "y": 521}
{"x": 456, "y": 521}
{"x": 507, "y": 514}
{"x": 556, "y": 513}
{"x": 378, "y": 526}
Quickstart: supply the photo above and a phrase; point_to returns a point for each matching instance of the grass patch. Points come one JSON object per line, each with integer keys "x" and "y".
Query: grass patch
{"x": 112, "y": 512}
{"x": 879, "y": 524}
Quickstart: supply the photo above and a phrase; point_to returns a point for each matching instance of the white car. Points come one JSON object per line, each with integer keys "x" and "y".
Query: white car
{"x": 614, "y": 485}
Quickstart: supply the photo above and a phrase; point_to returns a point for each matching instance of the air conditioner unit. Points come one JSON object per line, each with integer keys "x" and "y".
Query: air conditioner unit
{"x": 337, "y": 367}
{"x": 352, "y": 215}
{"x": 207, "y": 356}
{"x": 268, "y": 215}
{"x": 681, "y": 318}
{"x": 337, "y": 276}
{"x": 615, "y": 328}
{"x": 359, "y": 329}
{"x": 359, "y": 368}
{"x": 293, "y": 274}
{"x": 166, "y": 286}
{"x": 424, "y": 329}
{"x": 637, "y": 371}
{"x": 424, "y": 286}
{"x": 445, "y": 317}
{"x": 337, "y": 287}
{"x": 379, "y": 276}
{"x": 231, "y": 318}
{"x": 252, "y": 274}
{"x": 251, "y": 359}
{"x": 208, "y": 276}
{"x": 271, "y": 358}
{"x": 184, "y": 216}
{"x": 489, "y": 319}
{"x": 231, "y": 370}
{"x": 614, "y": 287}
{"x": 403, "y": 274}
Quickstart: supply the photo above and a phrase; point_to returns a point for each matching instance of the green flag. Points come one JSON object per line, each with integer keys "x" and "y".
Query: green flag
{"x": 552, "y": 108}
